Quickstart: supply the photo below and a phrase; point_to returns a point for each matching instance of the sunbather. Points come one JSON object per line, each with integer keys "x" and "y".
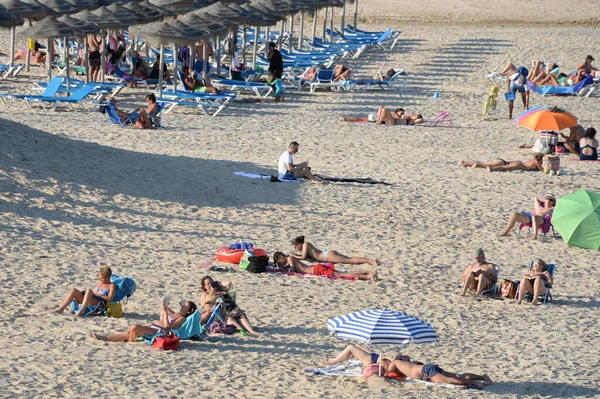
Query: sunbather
{"x": 479, "y": 276}
{"x": 197, "y": 85}
{"x": 211, "y": 290}
{"x": 588, "y": 146}
{"x": 539, "y": 218}
{"x": 102, "y": 293}
{"x": 585, "y": 69}
{"x": 387, "y": 117}
{"x": 434, "y": 373}
{"x": 36, "y": 56}
{"x": 340, "y": 72}
{"x": 155, "y": 71}
{"x": 309, "y": 252}
{"x": 291, "y": 263}
{"x": 168, "y": 320}
{"x": 142, "y": 115}
{"x": 571, "y": 143}
{"x": 365, "y": 356}
{"x": 500, "y": 165}
{"x": 534, "y": 281}
{"x": 140, "y": 68}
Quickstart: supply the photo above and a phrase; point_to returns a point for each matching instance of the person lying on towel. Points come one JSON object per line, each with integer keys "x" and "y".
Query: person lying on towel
{"x": 373, "y": 363}
{"x": 387, "y": 117}
{"x": 289, "y": 263}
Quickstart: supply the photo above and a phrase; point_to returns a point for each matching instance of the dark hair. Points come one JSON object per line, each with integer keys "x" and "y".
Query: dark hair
{"x": 562, "y": 75}
{"x": 204, "y": 280}
{"x": 151, "y": 97}
{"x": 399, "y": 110}
{"x": 191, "y": 309}
{"x": 590, "y": 133}
{"x": 298, "y": 240}
{"x": 293, "y": 143}
{"x": 418, "y": 116}
{"x": 538, "y": 156}
{"x": 272, "y": 44}
{"x": 276, "y": 256}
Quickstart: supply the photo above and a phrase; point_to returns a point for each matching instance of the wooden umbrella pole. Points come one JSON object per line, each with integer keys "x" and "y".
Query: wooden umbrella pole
{"x": 217, "y": 50}
{"x": 103, "y": 56}
{"x": 66, "y": 59}
{"x": 49, "y": 54}
{"x": 175, "y": 70}
{"x": 243, "y": 45}
{"x": 161, "y": 70}
{"x": 314, "y": 29}
{"x": 280, "y": 38}
{"x": 205, "y": 61}
{"x": 343, "y": 21}
{"x": 331, "y": 26}
{"x": 325, "y": 10}
{"x": 86, "y": 60}
{"x": 13, "y": 34}
{"x": 291, "y": 37}
{"x": 255, "y": 45}
{"x": 301, "y": 34}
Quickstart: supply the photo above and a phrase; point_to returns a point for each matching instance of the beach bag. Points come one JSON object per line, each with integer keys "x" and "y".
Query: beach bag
{"x": 257, "y": 264}
{"x": 221, "y": 328}
{"x": 167, "y": 343}
{"x": 551, "y": 163}
{"x": 114, "y": 310}
{"x": 244, "y": 260}
{"x": 508, "y": 289}
{"x": 550, "y": 136}
{"x": 542, "y": 147}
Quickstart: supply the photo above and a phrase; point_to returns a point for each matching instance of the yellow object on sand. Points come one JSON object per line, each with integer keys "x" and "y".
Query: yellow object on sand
{"x": 491, "y": 102}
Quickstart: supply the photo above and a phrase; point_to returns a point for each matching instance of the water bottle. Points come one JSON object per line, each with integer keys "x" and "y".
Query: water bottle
{"x": 436, "y": 95}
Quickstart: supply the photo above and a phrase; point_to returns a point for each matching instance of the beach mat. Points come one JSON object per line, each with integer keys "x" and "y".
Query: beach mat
{"x": 352, "y": 180}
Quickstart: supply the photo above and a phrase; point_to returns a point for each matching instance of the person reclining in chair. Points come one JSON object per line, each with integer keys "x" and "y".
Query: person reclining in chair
{"x": 290, "y": 171}
{"x": 539, "y": 218}
{"x": 101, "y": 294}
{"x": 534, "y": 281}
{"x": 197, "y": 85}
{"x": 480, "y": 275}
{"x": 143, "y": 115}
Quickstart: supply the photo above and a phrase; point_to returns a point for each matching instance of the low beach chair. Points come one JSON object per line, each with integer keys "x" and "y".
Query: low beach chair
{"x": 114, "y": 118}
{"x": 388, "y": 84}
{"x": 547, "y": 296}
{"x": 126, "y": 287}
{"x": 190, "y": 329}
{"x": 442, "y": 118}
{"x": 582, "y": 89}
{"x": 50, "y": 91}
{"x": 544, "y": 227}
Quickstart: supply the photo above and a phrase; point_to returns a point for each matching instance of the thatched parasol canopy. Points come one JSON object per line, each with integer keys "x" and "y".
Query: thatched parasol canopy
{"x": 50, "y": 28}
{"x": 8, "y": 19}
{"x": 81, "y": 26}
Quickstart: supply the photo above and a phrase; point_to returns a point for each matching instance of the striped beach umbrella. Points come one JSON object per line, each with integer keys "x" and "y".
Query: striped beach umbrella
{"x": 382, "y": 326}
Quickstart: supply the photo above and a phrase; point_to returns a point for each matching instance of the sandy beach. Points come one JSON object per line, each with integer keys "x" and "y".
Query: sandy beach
{"x": 77, "y": 193}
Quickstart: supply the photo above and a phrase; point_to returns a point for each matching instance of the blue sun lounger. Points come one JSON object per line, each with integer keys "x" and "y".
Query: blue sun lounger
{"x": 50, "y": 91}
{"x": 577, "y": 90}
{"x": 78, "y": 98}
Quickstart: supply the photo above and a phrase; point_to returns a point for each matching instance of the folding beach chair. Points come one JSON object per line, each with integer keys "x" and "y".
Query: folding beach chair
{"x": 388, "y": 84}
{"x": 547, "y": 296}
{"x": 544, "y": 227}
{"x": 191, "y": 328}
{"x": 494, "y": 289}
{"x": 110, "y": 110}
{"x": 50, "y": 91}
{"x": 442, "y": 118}
{"x": 126, "y": 287}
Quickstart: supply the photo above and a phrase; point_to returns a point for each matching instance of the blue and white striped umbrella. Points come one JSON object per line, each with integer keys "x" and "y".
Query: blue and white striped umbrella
{"x": 382, "y": 326}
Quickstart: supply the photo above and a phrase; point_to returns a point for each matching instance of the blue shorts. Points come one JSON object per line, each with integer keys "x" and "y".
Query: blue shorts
{"x": 289, "y": 176}
{"x": 429, "y": 370}
{"x": 514, "y": 88}
{"x": 374, "y": 358}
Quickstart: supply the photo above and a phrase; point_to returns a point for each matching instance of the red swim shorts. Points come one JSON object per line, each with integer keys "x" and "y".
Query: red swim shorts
{"x": 323, "y": 270}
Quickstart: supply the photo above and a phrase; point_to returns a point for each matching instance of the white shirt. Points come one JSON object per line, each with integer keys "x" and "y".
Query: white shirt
{"x": 285, "y": 158}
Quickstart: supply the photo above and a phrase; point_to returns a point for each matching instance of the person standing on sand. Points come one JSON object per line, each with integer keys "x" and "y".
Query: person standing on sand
{"x": 517, "y": 82}
{"x": 94, "y": 57}
{"x": 290, "y": 171}
{"x": 479, "y": 276}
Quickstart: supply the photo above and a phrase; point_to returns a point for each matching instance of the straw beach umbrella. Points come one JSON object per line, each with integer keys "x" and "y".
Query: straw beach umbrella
{"x": 25, "y": 11}
{"x": 86, "y": 4}
{"x": 180, "y": 6}
{"x": 60, "y": 7}
{"x": 51, "y": 28}
{"x": 8, "y": 20}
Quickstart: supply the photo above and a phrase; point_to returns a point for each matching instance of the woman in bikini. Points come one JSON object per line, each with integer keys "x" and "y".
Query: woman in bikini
{"x": 291, "y": 263}
{"x": 102, "y": 293}
{"x": 539, "y": 218}
{"x": 366, "y": 357}
{"x": 387, "y": 117}
{"x": 309, "y": 252}
{"x": 500, "y": 165}
{"x": 168, "y": 320}
{"x": 534, "y": 281}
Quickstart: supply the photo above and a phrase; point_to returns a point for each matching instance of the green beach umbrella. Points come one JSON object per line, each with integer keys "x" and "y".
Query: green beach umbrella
{"x": 577, "y": 218}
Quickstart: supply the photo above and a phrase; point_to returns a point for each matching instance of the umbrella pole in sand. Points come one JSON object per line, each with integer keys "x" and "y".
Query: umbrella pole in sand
{"x": 301, "y": 34}
{"x": 174, "y": 68}
{"x": 49, "y": 54}
{"x": 255, "y": 45}
{"x": 314, "y": 31}
{"x": 343, "y": 21}
{"x": 244, "y": 46}
{"x": 331, "y": 26}
{"x": 217, "y": 51}
{"x": 13, "y": 34}
{"x": 325, "y": 10}
{"x": 161, "y": 69}
{"x": 355, "y": 15}
{"x": 267, "y": 36}
{"x": 291, "y": 37}
{"x": 281, "y": 27}
{"x": 28, "y": 59}
{"x": 102, "y": 56}
{"x": 86, "y": 60}
{"x": 66, "y": 59}
{"x": 147, "y": 54}
{"x": 205, "y": 63}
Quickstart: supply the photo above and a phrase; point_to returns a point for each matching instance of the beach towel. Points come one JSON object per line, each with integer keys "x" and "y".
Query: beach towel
{"x": 260, "y": 176}
{"x": 353, "y": 368}
{"x": 365, "y": 180}
{"x": 273, "y": 270}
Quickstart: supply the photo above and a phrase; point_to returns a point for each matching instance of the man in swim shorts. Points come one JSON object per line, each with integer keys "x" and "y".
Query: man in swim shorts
{"x": 479, "y": 276}
{"x": 517, "y": 82}
{"x": 434, "y": 373}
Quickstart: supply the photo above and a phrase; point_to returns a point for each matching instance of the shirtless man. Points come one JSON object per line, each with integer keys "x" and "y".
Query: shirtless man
{"x": 94, "y": 57}
{"x": 199, "y": 55}
{"x": 573, "y": 139}
{"x": 433, "y": 373}
{"x": 479, "y": 276}
{"x": 292, "y": 264}
{"x": 543, "y": 208}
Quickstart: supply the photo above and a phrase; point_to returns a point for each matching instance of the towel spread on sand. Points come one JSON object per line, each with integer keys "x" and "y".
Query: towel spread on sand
{"x": 353, "y": 368}
{"x": 260, "y": 176}
{"x": 273, "y": 270}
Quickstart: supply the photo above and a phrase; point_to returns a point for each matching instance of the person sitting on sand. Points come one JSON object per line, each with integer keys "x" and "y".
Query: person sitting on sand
{"x": 539, "y": 218}
{"x": 479, "y": 276}
{"x": 211, "y": 290}
{"x": 143, "y": 116}
{"x": 168, "y": 320}
{"x": 588, "y": 146}
{"x": 571, "y": 143}
{"x": 534, "y": 281}
{"x": 434, "y": 373}
{"x": 102, "y": 293}
{"x": 290, "y": 263}
{"x": 290, "y": 171}
{"x": 500, "y": 165}
{"x": 309, "y": 252}
{"x": 197, "y": 85}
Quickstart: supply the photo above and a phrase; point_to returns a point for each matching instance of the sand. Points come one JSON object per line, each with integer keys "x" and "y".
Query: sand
{"x": 77, "y": 193}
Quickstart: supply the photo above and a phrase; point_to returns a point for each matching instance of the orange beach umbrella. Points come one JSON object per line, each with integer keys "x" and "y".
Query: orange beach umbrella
{"x": 545, "y": 119}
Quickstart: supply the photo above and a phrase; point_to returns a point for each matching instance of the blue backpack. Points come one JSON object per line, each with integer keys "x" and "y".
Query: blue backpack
{"x": 125, "y": 287}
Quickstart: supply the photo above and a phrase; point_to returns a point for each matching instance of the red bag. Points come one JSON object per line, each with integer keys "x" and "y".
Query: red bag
{"x": 508, "y": 289}
{"x": 168, "y": 343}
